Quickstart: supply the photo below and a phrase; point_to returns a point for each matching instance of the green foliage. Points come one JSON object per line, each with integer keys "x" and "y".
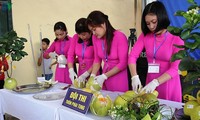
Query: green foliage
{"x": 187, "y": 32}
{"x": 12, "y": 45}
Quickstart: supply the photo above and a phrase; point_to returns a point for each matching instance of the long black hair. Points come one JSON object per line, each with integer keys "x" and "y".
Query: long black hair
{"x": 158, "y": 9}
{"x": 80, "y": 27}
{"x": 60, "y": 26}
{"x": 96, "y": 18}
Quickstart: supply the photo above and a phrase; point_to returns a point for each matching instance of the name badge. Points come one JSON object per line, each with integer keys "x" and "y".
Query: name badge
{"x": 61, "y": 66}
{"x": 153, "y": 68}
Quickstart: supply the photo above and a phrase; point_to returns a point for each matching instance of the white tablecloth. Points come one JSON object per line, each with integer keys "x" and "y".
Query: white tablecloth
{"x": 25, "y": 107}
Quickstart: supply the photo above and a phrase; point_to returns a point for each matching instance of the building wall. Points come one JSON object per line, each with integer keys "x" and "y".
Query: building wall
{"x": 41, "y": 15}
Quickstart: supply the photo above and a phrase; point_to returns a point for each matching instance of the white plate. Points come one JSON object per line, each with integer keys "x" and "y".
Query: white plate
{"x": 48, "y": 96}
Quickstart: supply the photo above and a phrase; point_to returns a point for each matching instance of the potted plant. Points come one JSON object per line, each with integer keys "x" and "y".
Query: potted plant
{"x": 12, "y": 47}
{"x": 189, "y": 56}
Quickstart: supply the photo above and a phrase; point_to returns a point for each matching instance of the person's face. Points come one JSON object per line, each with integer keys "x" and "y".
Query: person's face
{"x": 60, "y": 34}
{"x": 44, "y": 46}
{"x": 98, "y": 31}
{"x": 84, "y": 36}
{"x": 151, "y": 21}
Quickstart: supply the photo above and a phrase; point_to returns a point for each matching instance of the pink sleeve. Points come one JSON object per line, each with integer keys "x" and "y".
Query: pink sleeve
{"x": 173, "y": 69}
{"x": 136, "y": 50}
{"x": 97, "y": 59}
{"x": 122, "y": 51}
{"x": 50, "y": 49}
{"x": 71, "y": 51}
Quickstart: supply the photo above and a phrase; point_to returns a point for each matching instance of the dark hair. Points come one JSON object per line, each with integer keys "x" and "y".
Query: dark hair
{"x": 60, "y": 26}
{"x": 46, "y": 40}
{"x": 159, "y": 10}
{"x": 96, "y": 18}
{"x": 80, "y": 27}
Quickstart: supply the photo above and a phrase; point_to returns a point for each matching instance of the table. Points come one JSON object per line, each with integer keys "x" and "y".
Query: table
{"x": 25, "y": 107}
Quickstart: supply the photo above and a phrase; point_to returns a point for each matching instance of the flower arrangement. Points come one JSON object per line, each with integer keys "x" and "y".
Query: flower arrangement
{"x": 140, "y": 107}
{"x": 189, "y": 56}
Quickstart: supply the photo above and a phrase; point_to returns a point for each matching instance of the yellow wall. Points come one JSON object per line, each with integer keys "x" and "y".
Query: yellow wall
{"x": 43, "y": 14}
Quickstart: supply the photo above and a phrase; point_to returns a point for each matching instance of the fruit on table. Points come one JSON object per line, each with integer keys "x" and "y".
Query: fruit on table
{"x": 10, "y": 83}
{"x": 155, "y": 92}
{"x": 188, "y": 97}
{"x": 147, "y": 117}
{"x": 189, "y": 107}
{"x": 91, "y": 84}
{"x": 130, "y": 93}
{"x": 87, "y": 90}
{"x": 100, "y": 105}
{"x": 198, "y": 96}
{"x": 150, "y": 97}
{"x": 77, "y": 85}
{"x": 122, "y": 100}
{"x": 195, "y": 114}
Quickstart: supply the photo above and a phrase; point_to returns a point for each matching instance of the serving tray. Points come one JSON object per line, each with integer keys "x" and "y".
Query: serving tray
{"x": 47, "y": 96}
{"x": 32, "y": 88}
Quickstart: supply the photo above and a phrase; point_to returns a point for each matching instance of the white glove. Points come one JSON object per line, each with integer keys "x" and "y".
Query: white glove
{"x": 72, "y": 75}
{"x": 136, "y": 84}
{"x": 100, "y": 79}
{"x": 84, "y": 75}
{"x": 62, "y": 59}
{"x": 53, "y": 55}
{"x": 149, "y": 88}
{"x": 92, "y": 75}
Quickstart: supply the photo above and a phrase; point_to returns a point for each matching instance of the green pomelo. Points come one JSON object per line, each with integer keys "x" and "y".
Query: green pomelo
{"x": 147, "y": 117}
{"x": 10, "y": 83}
{"x": 150, "y": 97}
{"x": 195, "y": 114}
{"x": 122, "y": 100}
{"x": 198, "y": 97}
{"x": 96, "y": 87}
{"x": 189, "y": 107}
{"x": 100, "y": 105}
{"x": 130, "y": 93}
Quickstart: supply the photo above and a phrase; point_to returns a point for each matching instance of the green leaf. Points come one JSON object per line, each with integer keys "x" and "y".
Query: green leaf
{"x": 191, "y": 76}
{"x": 196, "y": 21}
{"x": 192, "y": 45}
{"x": 187, "y": 17}
{"x": 187, "y": 26}
{"x": 189, "y": 88}
{"x": 179, "y": 55}
{"x": 2, "y": 50}
{"x": 179, "y": 46}
{"x": 196, "y": 36}
{"x": 197, "y": 63}
{"x": 185, "y": 34}
{"x": 13, "y": 57}
{"x": 179, "y": 13}
{"x": 23, "y": 39}
{"x": 193, "y": 6}
{"x": 174, "y": 30}
{"x": 13, "y": 45}
{"x": 186, "y": 64}
{"x": 23, "y": 53}
{"x": 191, "y": 1}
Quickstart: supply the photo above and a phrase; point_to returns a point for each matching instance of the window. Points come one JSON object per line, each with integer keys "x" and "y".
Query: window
{"x": 5, "y": 16}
